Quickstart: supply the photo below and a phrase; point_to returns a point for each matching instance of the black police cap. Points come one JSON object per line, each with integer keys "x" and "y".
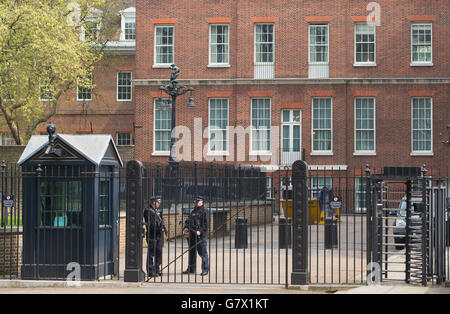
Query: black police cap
{"x": 156, "y": 199}
{"x": 199, "y": 198}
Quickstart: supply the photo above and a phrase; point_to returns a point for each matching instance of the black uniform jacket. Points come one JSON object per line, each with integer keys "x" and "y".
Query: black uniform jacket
{"x": 198, "y": 221}
{"x": 154, "y": 222}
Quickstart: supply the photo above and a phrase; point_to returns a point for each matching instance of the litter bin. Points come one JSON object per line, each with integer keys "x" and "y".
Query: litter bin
{"x": 240, "y": 239}
{"x": 331, "y": 205}
{"x": 331, "y": 234}
{"x": 284, "y": 233}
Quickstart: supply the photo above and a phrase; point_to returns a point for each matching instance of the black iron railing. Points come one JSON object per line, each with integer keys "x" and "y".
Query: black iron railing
{"x": 250, "y": 233}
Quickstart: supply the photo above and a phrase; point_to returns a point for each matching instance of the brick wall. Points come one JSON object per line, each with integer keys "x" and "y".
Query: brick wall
{"x": 126, "y": 153}
{"x": 390, "y": 81}
{"x": 11, "y": 154}
{"x": 122, "y": 233}
{"x": 291, "y": 19}
{"x": 393, "y": 120}
{"x": 10, "y": 252}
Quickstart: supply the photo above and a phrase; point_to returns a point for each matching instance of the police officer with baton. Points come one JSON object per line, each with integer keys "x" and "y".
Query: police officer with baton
{"x": 154, "y": 222}
{"x": 197, "y": 225}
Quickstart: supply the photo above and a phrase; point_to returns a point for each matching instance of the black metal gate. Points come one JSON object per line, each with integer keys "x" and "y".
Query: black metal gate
{"x": 249, "y": 238}
{"x": 371, "y": 225}
{"x": 328, "y": 226}
{"x": 10, "y": 221}
{"x": 399, "y": 223}
{"x": 407, "y": 226}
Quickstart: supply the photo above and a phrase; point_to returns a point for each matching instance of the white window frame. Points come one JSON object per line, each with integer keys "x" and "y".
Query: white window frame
{"x": 321, "y": 152}
{"x": 83, "y": 29}
{"x": 78, "y": 91}
{"x": 360, "y": 194}
{"x": 316, "y": 187}
{"x": 117, "y": 138}
{"x": 127, "y": 16}
{"x": 370, "y": 63}
{"x": 6, "y": 139}
{"x": 94, "y": 15}
{"x": 131, "y": 87}
{"x": 128, "y": 20}
{"x": 328, "y": 43}
{"x": 421, "y": 152}
{"x": 260, "y": 152}
{"x": 40, "y": 94}
{"x": 215, "y": 64}
{"x": 366, "y": 152}
{"x": 268, "y": 186}
{"x": 158, "y": 152}
{"x": 164, "y": 65}
{"x": 273, "y": 45}
{"x": 227, "y": 130}
{"x": 291, "y": 123}
{"x": 422, "y": 63}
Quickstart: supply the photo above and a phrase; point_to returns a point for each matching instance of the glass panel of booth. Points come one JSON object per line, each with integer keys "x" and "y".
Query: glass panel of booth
{"x": 61, "y": 204}
{"x": 104, "y": 206}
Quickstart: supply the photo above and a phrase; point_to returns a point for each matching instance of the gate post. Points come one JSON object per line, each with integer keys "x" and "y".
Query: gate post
{"x": 134, "y": 208}
{"x": 371, "y": 222}
{"x": 300, "y": 274}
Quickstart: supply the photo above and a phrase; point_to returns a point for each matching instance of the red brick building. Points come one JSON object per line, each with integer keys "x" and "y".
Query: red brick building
{"x": 314, "y": 79}
{"x": 341, "y": 91}
{"x": 107, "y": 108}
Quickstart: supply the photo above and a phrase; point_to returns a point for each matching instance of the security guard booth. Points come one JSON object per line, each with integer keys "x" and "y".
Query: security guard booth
{"x": 70, "y": 207}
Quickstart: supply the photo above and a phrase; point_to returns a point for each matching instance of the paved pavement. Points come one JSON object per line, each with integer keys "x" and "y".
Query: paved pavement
{"x": 264, "y": 262}
{"x": 152, "y": 288}
{"x": 396, "y": 289}
{"x": 31, "y": 287}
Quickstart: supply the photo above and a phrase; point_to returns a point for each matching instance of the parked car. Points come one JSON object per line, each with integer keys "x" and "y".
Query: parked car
{"x": 400, "y": 222}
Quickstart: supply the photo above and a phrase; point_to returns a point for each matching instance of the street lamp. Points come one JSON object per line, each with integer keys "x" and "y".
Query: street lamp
{"x": 174, "y": 90}
{"x": 448, "y": 131}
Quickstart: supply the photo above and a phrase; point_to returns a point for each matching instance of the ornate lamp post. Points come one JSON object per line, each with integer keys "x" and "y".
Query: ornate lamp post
{"x": 174, "y": 90}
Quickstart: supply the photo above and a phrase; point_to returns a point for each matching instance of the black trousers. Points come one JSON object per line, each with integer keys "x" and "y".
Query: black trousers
{"x": 154, "y": 256}
{"x": 198, "y": 245}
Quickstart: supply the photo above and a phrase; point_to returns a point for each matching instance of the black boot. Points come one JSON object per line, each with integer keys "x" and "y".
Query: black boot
{"x": 188, "y": 271}
{"x": 151, "y": 275}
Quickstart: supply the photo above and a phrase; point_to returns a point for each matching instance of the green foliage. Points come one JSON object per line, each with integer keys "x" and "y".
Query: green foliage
{"x": 43, "y": 55}
{"x": 9, "y": 221}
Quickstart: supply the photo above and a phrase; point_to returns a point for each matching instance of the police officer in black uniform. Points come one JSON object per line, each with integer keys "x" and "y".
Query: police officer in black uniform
{"x": 154, "y": 235}
{"x": 197, "y": 225}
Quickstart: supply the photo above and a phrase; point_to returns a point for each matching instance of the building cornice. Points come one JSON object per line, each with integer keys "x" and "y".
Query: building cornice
{"x": 298, "y": 81}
